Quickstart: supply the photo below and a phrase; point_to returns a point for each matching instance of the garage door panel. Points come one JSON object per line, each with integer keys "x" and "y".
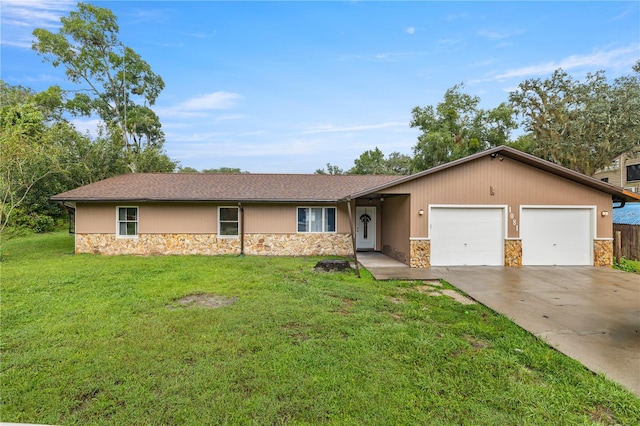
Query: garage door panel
{"x": 556, "y": 236}
{"x": 467, "y": 236}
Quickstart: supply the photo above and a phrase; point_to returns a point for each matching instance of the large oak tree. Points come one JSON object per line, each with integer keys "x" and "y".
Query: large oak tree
{"x": 582, "y": 125}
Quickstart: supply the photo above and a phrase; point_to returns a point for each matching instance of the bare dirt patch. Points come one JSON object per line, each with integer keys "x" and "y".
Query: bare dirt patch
{"x": 203, "y": 301}
{"x": 347, "y": 304}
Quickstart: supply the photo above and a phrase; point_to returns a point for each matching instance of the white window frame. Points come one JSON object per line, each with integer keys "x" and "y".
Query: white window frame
{"x": 324, "y": 217}
{"x": 228, "y": 221}
{"x": 118, "y": 221}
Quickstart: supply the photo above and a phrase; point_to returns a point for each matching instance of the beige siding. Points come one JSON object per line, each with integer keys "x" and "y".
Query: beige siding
{"x": 197, "y": 218}
{"x": 618, "y": 175}
{"x": 395, "y": 228}
{"x": 272, "y": 218}
{"x": 283, "y": 218}
{"x": 178, "y": 219}
{"x": 99, "y": 218}
{"x": 489, "y": 181}
{"x": 95, "y": 218}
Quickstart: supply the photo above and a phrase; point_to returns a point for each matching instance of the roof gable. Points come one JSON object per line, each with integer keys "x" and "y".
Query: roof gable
{"x": 617, "y": 193}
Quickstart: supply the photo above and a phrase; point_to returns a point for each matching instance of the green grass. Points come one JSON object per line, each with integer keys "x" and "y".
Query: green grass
{"x": 102, "y": 340}
{"x": 628, "y": 265}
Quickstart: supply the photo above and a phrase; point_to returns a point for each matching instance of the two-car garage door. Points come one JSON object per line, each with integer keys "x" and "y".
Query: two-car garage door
{"x": 476, "y": 235}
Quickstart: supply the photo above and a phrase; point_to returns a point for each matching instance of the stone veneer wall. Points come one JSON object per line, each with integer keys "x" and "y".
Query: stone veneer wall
{"x": 603, "y": 253}
{"x": 298, "y": 244}
{"x": 513, "y": 253}
{"x": 420, "y": 254}
{"x": 208, "y": 244}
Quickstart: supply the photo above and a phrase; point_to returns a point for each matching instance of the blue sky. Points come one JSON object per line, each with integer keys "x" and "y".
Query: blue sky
{"x": 287, "y": 87}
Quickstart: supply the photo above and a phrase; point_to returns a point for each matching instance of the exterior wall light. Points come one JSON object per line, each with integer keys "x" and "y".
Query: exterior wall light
{"x": 604, "y": 213}
{"x": 421, "y": 212}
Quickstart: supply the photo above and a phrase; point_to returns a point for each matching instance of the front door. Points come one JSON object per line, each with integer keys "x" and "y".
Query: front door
{"x": 365, "y": 228}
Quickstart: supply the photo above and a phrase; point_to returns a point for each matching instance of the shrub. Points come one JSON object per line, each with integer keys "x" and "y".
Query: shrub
{"x": 43, "y": 223}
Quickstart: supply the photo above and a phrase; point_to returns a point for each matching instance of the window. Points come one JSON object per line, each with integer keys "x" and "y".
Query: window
{"x": 605, "y": 180}
{"x": 127, "y": 222}
{"x": 228, "y": 221}
{"x": 316, "y": 219}
{"x": 633, "y": 172}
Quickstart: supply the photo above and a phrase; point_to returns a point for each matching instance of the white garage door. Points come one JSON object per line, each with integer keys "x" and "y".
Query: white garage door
{"x": 556, "y": 236}
{"x": 466, "y": 236}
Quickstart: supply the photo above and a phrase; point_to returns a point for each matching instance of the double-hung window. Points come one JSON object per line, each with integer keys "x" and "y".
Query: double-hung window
{"x": 228, "y": 221}
{"x": 316, "y": 219}
{"x": 127, "y": 222}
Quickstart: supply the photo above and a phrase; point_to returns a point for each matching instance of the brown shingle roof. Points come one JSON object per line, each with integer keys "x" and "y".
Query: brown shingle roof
{"x": 224, "y": 187}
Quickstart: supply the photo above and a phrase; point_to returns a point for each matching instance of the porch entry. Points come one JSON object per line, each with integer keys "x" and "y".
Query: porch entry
{"x": 365, "y": 228}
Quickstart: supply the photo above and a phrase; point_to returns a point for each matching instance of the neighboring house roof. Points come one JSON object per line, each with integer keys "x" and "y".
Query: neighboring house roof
{"x": 616, "y": 192}
{"x": 249, "y": 187}
{"x": 627, "y": 215}
{"x": 246, "y": 187}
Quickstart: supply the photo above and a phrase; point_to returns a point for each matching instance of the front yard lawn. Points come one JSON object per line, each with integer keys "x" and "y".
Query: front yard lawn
{"x": 92, "y": 339}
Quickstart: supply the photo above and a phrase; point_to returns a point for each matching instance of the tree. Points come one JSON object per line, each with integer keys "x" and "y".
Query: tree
{"x": 43, "y": 154}
{"x": 370, "y": 162}
{"x": 331, "y": 170}
{"x": 457, "y": 127}
{"x": 373, "y": 162}
{"x": 580, "y": 125}
{"x": 187, "y": 170}
{"x": 398, "y": 164}
{"x": 224, "y": 170}
{"x": 115, "y": 82}
{"x": 28, "y": 151}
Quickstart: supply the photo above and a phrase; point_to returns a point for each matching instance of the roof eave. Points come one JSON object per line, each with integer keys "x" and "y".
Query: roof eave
{"x": 191, "y": 200}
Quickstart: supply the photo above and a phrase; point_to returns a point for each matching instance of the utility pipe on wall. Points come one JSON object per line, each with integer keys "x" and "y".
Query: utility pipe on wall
{"x": 241, "y": 224}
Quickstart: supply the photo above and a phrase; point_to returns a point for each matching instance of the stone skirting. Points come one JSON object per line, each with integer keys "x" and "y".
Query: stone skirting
{"x": 603, "y": 253}
{"x": 420, "y": 254}
{"x": 209, "y": 244}
{"x": 298, "y": 244}
{"x": 513, "y": 253}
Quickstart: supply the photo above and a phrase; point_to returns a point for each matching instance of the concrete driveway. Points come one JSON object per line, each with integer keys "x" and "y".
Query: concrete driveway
{"x": 590, "y": 314}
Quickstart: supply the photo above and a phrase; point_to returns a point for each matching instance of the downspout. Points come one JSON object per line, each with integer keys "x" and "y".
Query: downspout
{"x": 241, "y": 211}
{"x": 353, "y": 237}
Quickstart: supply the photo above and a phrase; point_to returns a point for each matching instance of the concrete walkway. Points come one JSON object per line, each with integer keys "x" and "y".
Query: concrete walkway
{"x": 590, "y": 314}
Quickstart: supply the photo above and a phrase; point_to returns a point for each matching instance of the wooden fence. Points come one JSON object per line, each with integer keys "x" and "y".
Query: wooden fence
{"x": 629, "y": 241}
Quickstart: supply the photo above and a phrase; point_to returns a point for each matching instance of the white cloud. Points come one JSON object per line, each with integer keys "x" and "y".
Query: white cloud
{"x": 448, "y": 41}
{"x": 494, "y": 35}
{"x": 87, "y": 126}
{"x": 357, "y": 128}
{"x": 229, "y": 117}
{"x": 410, "y": 30}
{"x": 20, "y": 18}
{"x": 617, "y": 58}
{"x": 202, "y": 105}
{"x": 49, "y": 78}
{"x": 382, "y": 57}
{"x": 210, "y": 101}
